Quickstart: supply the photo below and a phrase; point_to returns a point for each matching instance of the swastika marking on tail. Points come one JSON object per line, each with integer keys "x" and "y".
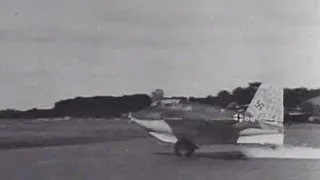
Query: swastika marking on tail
{"x": 259, "y": 105}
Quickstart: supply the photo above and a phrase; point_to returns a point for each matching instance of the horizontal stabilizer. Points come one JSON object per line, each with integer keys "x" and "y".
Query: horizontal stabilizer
{"x": 274, "y": 139}
{"x": 282, "y": 152}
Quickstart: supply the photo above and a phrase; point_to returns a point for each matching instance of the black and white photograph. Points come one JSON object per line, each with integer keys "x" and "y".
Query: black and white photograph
{"x": 159, "y": 89}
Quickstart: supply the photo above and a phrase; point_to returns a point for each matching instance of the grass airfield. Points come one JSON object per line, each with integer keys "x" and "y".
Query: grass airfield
{"x": 95, "y": 149}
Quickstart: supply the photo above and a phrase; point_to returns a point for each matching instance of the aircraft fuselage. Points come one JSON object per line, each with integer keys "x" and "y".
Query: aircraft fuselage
{"x": 201, "y": 124}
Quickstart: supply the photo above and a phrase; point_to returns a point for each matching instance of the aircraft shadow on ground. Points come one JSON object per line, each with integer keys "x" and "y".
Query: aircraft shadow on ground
{"x": 234, "y": 155}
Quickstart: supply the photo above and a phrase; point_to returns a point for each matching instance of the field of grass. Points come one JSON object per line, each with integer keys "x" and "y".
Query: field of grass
{"x": 30, "y": 133}
{"x": 21, "y": 133}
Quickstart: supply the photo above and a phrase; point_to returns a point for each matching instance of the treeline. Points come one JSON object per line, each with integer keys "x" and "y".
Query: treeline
{"x": 107, "y": 106}
{"x": 81, "y": 107}
{"x": 243, "y": 95}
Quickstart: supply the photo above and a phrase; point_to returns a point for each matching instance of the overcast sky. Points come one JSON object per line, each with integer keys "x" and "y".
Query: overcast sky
{"x": 57, "y": 49}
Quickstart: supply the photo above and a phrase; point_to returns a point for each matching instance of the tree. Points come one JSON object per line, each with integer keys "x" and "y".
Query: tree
{"x": 243, "y": 95}
{"x": 308, "y": 107}
{"x": 224, "y": 93}
{"x": 254, "y": 85}
{"x": 224, "y": 98}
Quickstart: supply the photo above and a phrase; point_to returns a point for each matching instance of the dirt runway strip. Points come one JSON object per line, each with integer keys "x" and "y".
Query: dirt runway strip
{"x": 143, "y": 158}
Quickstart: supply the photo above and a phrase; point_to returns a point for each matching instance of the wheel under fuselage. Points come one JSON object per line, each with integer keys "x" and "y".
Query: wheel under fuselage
{"x": 184, "y": 147}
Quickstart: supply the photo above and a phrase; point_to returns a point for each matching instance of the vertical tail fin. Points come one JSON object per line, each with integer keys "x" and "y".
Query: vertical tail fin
{"x": 267, "y": 106}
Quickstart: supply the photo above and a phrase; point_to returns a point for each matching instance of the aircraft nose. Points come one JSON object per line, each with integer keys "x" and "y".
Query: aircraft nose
{"x": 135, "y": 117}
{"x": 159, "y": 126}
{"x": 146, "y": 115}
{"x": 152, "y": 125}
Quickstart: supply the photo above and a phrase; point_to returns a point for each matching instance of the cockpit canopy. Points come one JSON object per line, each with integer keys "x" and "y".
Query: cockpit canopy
{"x": 166, "y": 102}
{"x": 172, "y": 104}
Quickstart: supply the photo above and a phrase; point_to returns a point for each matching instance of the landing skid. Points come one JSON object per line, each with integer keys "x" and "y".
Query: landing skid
{"x": 184, "y": 147}
{"x": 273, "y": 147}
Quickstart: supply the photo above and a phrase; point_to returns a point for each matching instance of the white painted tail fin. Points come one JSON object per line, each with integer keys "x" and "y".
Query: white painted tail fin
{"x": 267, "y": 105}
{"x": 266, "y": 108}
